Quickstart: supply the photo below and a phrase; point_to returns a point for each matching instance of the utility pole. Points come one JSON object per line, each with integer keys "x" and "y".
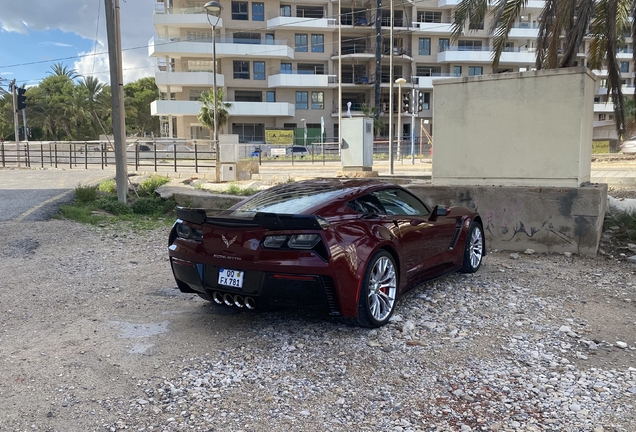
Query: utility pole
{"x": 16, "y": 125}
{"x": 117, "y": 91}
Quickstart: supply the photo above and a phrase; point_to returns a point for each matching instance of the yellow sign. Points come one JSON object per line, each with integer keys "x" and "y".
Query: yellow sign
{"x": 279, "y": 136}
{"x": 600, "y": 147}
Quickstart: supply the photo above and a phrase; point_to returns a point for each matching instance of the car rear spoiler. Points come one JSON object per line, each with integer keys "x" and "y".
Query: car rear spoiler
{"x": 270, "y": 221}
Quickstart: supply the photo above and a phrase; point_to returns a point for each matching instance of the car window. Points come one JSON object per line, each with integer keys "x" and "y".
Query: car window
{"x": 367, "y": 204}
{"x": 400, "y": 202}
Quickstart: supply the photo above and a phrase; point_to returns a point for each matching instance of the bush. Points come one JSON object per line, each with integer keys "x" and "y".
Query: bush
{"x": 148, "y": 187}
{"x": 147, "y": 206}
{"x": 113, "y": 206}
{"x": 85, "y": 194}
{"x": 108, "y": 186}
{"x": 234, "y": 189}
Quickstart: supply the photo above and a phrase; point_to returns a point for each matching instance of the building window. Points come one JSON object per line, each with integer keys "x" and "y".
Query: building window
{"x": 425, "y": 101}
{"x": 428, "y": 71}
{"x": 457, "y": 71}
{"x": 424, "y": 46}
{"x": 248, "y": 96}
{"x": 429, "y": 17}
{"x": 301, "y": 42}
{"x": 246, "y": 38}
{"x": 317, "y": 100}
{"x": 479, "y": 25}
{"x": 475, "y": 70}
{"x": 285, "y": 10}
{"x": 602, "y": 117}
{"x": 269, "y": 39}
{"x": 258, "y": 11}
{"x": 317, "y": 43}
{"x": 301, "y": 100}
{"x": 241, "y": 69}
{"x": 270, "y": 96}
{"x": 239, "y": 11}
{"x": 259, "y": 70}
{"x": 249, "y": 132}
{"x": 469, "y": 45}
{"x": 444, "y": 44}
{"x": 285, "y": 68}
{"x": 624, "y": 67}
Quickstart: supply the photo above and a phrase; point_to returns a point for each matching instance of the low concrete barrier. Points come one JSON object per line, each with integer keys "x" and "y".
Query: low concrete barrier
{"x": 517, "y": 218}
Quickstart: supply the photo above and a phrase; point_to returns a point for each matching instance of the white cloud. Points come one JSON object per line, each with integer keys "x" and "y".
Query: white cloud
{"x": 57, "y": 44}
{"x": 80, "y": 17}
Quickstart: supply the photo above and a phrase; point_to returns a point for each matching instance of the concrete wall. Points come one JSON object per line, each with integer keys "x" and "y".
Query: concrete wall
{"x": 539, "y": 218}
{"x": 525, "y": 129}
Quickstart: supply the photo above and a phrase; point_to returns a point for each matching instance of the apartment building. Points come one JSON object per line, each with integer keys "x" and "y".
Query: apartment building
{"x": 278, "y": 62}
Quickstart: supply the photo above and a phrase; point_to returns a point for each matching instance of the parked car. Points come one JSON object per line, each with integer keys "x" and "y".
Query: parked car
{"x": 298, "y": 151}
{"x": 629, "y": 145}
{"x": 351, "y": 246}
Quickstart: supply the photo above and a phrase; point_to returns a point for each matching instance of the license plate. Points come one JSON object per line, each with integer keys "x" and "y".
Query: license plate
{"x": 233, "y": 278}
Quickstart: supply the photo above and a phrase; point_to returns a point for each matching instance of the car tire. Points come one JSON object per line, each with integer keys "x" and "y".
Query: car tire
{"x": 474, "y": 250}
{"x": 378, "y": 291}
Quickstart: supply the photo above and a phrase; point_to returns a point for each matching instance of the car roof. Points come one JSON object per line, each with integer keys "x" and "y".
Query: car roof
{"x": 307, "y": 197}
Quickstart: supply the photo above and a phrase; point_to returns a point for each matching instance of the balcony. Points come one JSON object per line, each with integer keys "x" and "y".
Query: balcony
{"x": 524, "y": 31}
{"x": 299, "y": 23}
{"x": 625, "y": 54}
{"x": 444, "y": 27}
{"x": 426, "y": 82}
{"x": 251, "y": 109}
{"x": 604, "y": 107}
{"x": 448, "y": 4}
{"x": 454, "y": 54}
{"x": 300, "y": 79}
{"x": 193, "y": 17}
{"x": 177, "y": 80}
{"x": 357, "y": 51}
{"x": 225, "y": 47}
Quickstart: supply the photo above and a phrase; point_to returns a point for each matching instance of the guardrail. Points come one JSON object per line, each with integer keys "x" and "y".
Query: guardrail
{"x": 179, "y": 154}
{"x": 157, "y": 155}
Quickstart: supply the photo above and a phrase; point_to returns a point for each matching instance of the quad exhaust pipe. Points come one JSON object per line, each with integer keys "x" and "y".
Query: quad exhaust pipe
{"x": 236, "y": 300}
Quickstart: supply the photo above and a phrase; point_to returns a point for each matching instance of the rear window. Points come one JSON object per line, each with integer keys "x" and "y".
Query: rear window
{"x": 288, "y": 199}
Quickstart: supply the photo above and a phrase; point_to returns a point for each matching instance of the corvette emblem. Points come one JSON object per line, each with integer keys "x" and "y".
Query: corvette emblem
{"x": 228, "y": 242}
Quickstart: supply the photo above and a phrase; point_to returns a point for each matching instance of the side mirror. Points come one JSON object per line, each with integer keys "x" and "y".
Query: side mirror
{"x": 438, "y": 210}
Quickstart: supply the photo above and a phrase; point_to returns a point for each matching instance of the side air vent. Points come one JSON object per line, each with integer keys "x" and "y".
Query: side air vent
{"x": 330, "y": 295}
{"x": 458, "y": 229}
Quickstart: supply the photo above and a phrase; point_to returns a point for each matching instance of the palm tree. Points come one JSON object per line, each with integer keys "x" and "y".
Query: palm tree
{"x": 93, "y": 89}
{"x": 568, "y": 21}
{"x": 206, "y": 114}
{"x": 59, "y": 69}
{"x": 77, "y": 108}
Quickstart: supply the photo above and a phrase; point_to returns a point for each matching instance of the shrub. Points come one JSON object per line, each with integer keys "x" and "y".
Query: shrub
{"x": 113, "y": 206}
{"x": 108, "y": 186}
{"x": 85, "y": 194}
{"x": 147, "y": 206}
{"x": 148, "y": 187}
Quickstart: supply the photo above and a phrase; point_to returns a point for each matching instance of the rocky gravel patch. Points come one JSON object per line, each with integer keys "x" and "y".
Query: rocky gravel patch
{"x": 542, "y": 342}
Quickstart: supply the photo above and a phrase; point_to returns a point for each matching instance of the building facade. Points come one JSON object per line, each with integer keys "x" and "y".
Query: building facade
{"x": 278, "y": 62}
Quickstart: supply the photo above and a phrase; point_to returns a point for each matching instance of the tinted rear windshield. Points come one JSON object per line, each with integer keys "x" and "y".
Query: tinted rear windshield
{"x": 289, "y": 199}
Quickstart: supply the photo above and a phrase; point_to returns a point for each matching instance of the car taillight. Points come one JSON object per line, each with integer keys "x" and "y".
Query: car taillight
{"x": 295, "y": 241}
{"x": 186, "y": 232}
{"x": 275, "y": 241}
{"x": 303, "y": 241}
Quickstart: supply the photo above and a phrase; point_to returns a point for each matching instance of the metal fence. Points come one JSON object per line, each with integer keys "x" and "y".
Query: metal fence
{"x": 177, "y": 154}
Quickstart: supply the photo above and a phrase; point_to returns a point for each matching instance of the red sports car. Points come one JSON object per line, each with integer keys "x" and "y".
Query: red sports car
{"x": 352, "y": 246}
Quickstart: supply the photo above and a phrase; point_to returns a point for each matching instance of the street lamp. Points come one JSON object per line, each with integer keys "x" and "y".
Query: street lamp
{"x": 214, "y": 8}
{"x": 399, "y": 82}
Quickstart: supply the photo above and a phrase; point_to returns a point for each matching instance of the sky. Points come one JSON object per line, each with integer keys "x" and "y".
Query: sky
{"x": 36, "y": 34}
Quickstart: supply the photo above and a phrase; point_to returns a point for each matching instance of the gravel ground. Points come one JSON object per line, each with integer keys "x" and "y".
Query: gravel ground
{"x": 95, "y": 336}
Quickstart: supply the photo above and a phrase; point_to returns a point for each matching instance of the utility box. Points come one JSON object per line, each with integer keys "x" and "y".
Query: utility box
{"x": 357, "y": 144}
{"x": 228, "y": 172}
{"x": 514, "y": 129}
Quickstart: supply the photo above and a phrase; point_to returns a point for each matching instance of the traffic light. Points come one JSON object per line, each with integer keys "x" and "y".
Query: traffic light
{"x": 406, "y": 102}
{"x": 422, "y": 103}
{"x": 21, "y": 98}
